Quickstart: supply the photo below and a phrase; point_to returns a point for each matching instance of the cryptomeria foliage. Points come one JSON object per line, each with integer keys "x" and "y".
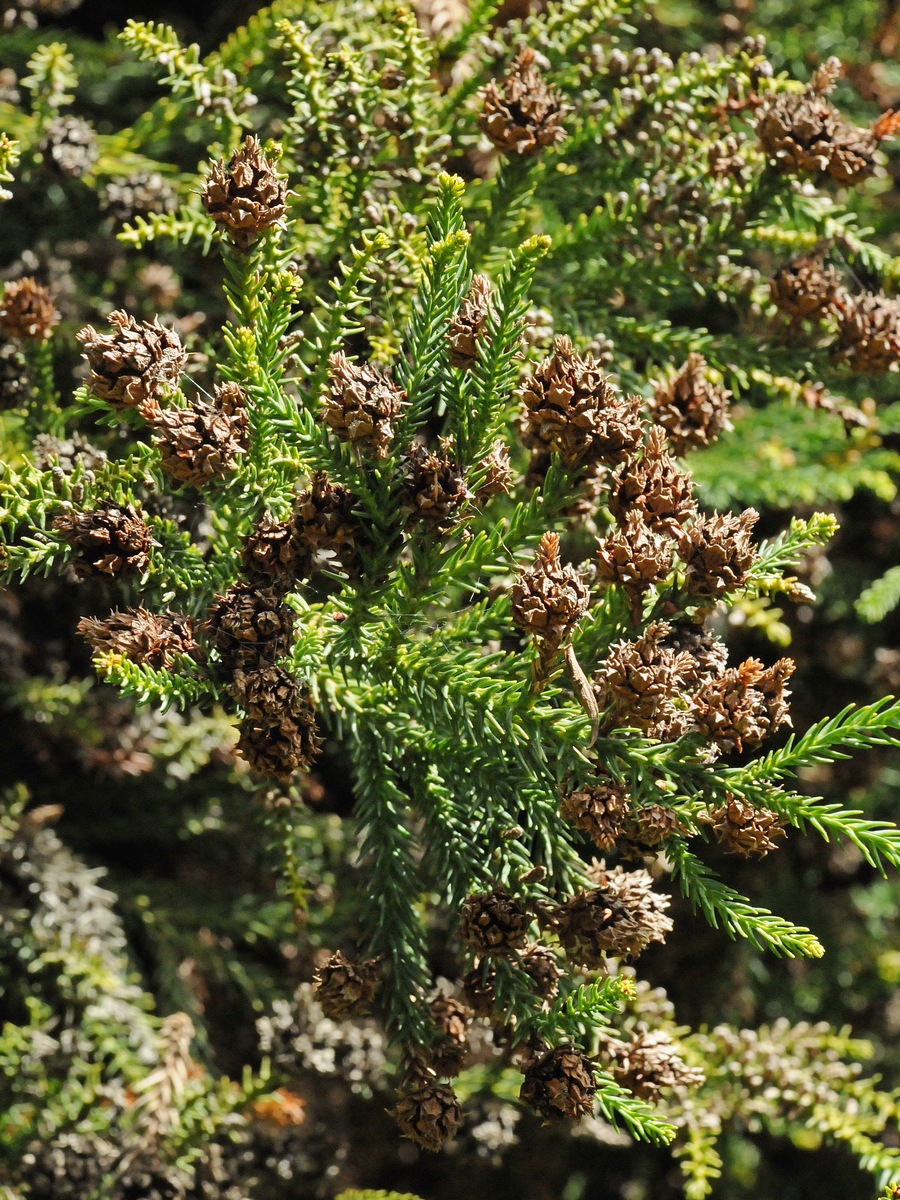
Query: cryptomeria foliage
{"x": 379, "y": 513}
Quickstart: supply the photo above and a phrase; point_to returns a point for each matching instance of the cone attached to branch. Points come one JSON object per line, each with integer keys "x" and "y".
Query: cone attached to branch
{"x": 249, "y": 626}
{"x": 494, "y": 923}
{"x": 27, "y": 311}
{"x": 154, "y": 639}
{"x": 203, "y": 442}
{"x": 805, "y": 288}
{"x": 741, "y": 707}
{"x": 362, "y": 406}
{"x": 112, "y": 541}
{"x": 717, "y": 552}
{"x": 139, "y": 362}
{"x": 427, "y": 1112}
{"x": 324, "y": 525}
{"x": 246, "y": 197}
{"x": 346, "y": 988}
{"x": 560, "y": 1084}
{"x": 548, "y": 601}
{"x": 278, "y": 734}
{"x": 691, "y": 408}
{"x": 744, "y": 829}
{"x": 469, "y": 325}
{"x": 622, "y": 917}
{"x": 522, "y": 115}
{"x": 634, "y": 558}
{"x": 869, "y": 332}
{"x": 434, "y": 487}
{"x": 655, "y": 488}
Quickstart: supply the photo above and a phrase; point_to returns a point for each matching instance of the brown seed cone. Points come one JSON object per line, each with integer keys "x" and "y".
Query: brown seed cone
{"x": 200, "y": 443}
{"x": 469, "y": 325}
{"x": 718, "y": 553}
{"x": 434, "y": 487}
{"x": 249, "y": 626}
{"x": 742, "y": 706}
{"x": 428, "y": 1113}
{"x": 346, "y": 988}
{"x": 645, "y": 831}
{"x": 653, "y": 487}
{"x": 869, "y": 332}
{"x": 69, "y": 145}
{"x": 448, "y": 1053}
{"x": 494, "y": 923}
{"x": 542, "y": 965}
{"x": 649, "y": 1063}
{"x": 362, "y": 406}
{"x": 523, "y": 114}
{"x": 622, "y": 916}
{"x": 270, "y": 557}
{"x": 853, "y": 156}
{"x": 156, "y": 639}
{"x": 549, "y": 599}
{"x": 478, "y": 987}
{"x": 692, "y": 410}
{"x": 278, "y": 734}
{"x": 804, "y": 288}
{"x": 634, "y": 558}
{"x": 599, "y": 810}
{"x": 27, "y": 311}
{"x": 139, "y": 362}
{"x": 571, "y": 409}
{"x": 640, "y": 679}
{"x": 112, "y": 541}
{"x": 246, "y": 197}
{"x": 560, "y": 1085}
{"x": 745, "y": 830}
{"x": 707, "y": 655}
{"x": 325, "y": 525}
{"x": 497, "y": 473}
{"x": 140, "y": 194}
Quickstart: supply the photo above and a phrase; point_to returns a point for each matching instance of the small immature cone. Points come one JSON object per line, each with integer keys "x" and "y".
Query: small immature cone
{"x": 434, "y": 487}
{"x": 692, "y": 410}
{"x": 494, "y": 923}
{"x": 203, "y": 442}
{"x": 154, "y": 639}
{"x": 741, "y": 707}
{"x": 27, "y": 311}
{"x": 634, "y": 558}
{"x": 522, "y": 115}
{"x": 598, "y": 810}
{"x": 498, "y": 473}
{"x": 362, "y": 406}
{"x": 804, "y": 288}
{"x": 548, "y": 601}
{"x": 649, "y": 1063}
{"x": 622, "y": 917}
{"x": 717, "y": 552}
{"x": 246, "y": 197}
{"x": 346, "y": 988}
{"x": 447, "y": 1053}
{"x": 139, "y": 362}
{"x": 570, "y": 408}
{"x": 745, "y": 830}
{"x": 69, "y": 145}
{"x": 249, "y": 626}
{"x": 469, "y": 325}
{"x": 324, "y": 524}
{"x": 869, "y": 332}
{"x": 655, "y": 488}
{"x": 278, "y": 733}
{"x": 427, "y": 1112}
{"x": 560, "y": 1085}
{"x": 112, "y": 541}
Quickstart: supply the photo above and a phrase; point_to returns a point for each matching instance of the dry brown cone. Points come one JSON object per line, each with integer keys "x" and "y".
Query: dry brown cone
{"x": 427, "y": 1112}
{"x": 497, "y": 473}
{"x": 598, "y": 810}
{"x": 717, "y": 553}
{"x": 523, "y": 114}
{"x": 494, "y": 923}
{"x": 542, "y": 966}
{"x": 156, "y": 639}
{"x": 640, "y": 679}
{"x": 325, "y": 525}
{"x": 549, "y": 599}
{"x": 745, "y": 830}
{"x": 27, "y": 311}
{"x": 249, "y": 626}
{"x": 649, "y": 1063}
{"x": 570, "y": 408}
{"x": 869, "y": 332}
{"x": 741, "y": 707}
{"x": 634, "y": 558}
{"x": 448, "y": 1052}
{"x": 478, "y": 987}
{"x": 560, "y": 1085}
{"x": 622, "y": 917}
{"x": 246, "y": 197}
{"x": 112, "y": 541}
{"x": 278, "y": 734}
{"x": 469, "y": 325}
{"x": 345, "y": 988}
{"x": 653, "y": 487}
{"x": 706, "y": 654}
{"x": 270, "y": 557}
{"x": 434, "y": 487}
{"x": 805, "y": 288}
{"x": 362, "y": 406}
{"x": 139, "y": 362}
{"x": 691, "y": 408}
{"x": 204, "y": 441}
{"x": 646, "y": 831}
